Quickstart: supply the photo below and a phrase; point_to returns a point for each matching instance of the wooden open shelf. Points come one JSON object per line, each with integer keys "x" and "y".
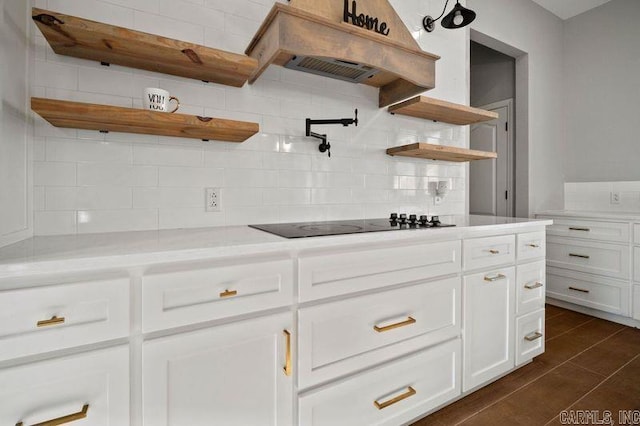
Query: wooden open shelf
{"x": 439, "y": 152}
{"x": 82, "y": 38}
{"x": 78, "y": 115}
{"x": 437, "y": 110}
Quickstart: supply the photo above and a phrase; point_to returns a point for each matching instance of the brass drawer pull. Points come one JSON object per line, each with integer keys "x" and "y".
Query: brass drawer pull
{"x": 579, "y": 229}
{"x": 82, "y": 414}
{"x": 493, "y": 251}
{"x": 53, "y": 321}
{"x": 287, "y": 363}
{"x": 581, "y": 290}
{"x": 532, "y": 286}
{"x": 533, "y": 336}
{"x": 382, "y": 405}
{"x": 228, "y": 293}
{"x": 533, "y": 245}
{"x": 496, "y": 278}
{"x": 408, "y": 321}
{"x": 581, "y": 256}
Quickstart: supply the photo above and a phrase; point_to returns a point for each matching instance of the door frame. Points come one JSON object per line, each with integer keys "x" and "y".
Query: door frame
{"x": 508, "y": 103}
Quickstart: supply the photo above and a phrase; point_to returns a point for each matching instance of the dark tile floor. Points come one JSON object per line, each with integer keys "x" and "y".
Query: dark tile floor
{"x": 589, "y": 364}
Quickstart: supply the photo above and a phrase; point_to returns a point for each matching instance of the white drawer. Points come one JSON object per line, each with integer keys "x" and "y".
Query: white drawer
{"x": 590, "y": 230}
{"x": 340, "y": 338}
{"x": 601, "y": 293}
{"x": 530, "y": 287}
{"x": 636, "y": 234}
{"x": 588, "y": 256}
{"x": 529, "y": 336}
{"x": 418, "y": 384}
{"x": 636, "y": 264}
{"x": 42, "y": 319}
{"x": 490, "y": 251}
{"x": 636, "y": 302}
{"x": 531, "y": 245}
{"x": 190, "y": 296}
{"x": 37, "y": 393}
{"x": 328, "y": 275}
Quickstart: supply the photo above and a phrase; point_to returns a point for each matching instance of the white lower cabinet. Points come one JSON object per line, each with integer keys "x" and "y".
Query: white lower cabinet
{"x": 233, "y": 375}
{"x": 636, "y": 302}
{"x": 391, "y": 395}
{"x": 488, "y": 312}
{"x": 92, "y": 388}
{"x": 529, "y": 336}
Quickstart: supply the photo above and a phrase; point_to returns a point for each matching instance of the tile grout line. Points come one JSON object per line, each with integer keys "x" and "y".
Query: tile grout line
{"x": 569, "y": 330}
{"x": 537, "y": 378}
{"x": 596, "y": 386}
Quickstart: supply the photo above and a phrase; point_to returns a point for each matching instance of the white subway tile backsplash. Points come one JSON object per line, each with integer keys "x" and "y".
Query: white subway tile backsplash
{"x": 86, "y": 181}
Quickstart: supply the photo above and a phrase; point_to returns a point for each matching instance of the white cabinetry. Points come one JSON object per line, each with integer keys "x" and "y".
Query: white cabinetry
{"x": 232, "y": 375}
{"x": 488, "y": 325}
{"x": 92, "y": 386}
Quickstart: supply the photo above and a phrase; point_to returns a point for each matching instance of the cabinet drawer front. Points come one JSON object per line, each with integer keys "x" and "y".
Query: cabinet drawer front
{"x": 42, "y": 319}
{"x": 531, "y": 245}
{"x": 342, "y": 273}
{"x": 636, "y": 302}
{"x": 48, "y": 390}
{"x": 343, "y": 337}
{"x": 530, "y": 287}
{"x": 601, "y": 293}
{"x": 393, "y": 394}
{"x": 636, "y": 264}
{"x": 488, "y": 301}
{"x": 636, "y": 233}
{"x": 593, "y": 257}
{"x": 188, "y": 297}
{"x": 590, "y": 230}
{"x": 529, "y": 336}
{"x": 231, "y": 374}
{"x": 487, "y": 252}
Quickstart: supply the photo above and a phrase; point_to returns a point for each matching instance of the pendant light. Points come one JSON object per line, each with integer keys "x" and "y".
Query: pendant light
{"x": 458, "y": 17}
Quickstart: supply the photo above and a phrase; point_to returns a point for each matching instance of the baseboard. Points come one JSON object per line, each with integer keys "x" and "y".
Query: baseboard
{"x": 594, "y": 312}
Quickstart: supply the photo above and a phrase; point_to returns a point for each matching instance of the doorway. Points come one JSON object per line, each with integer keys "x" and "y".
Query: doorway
{"x": 493, "y": 88}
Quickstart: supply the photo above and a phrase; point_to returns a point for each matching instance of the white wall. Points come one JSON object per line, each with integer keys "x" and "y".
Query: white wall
{"x": 531, "y": 29}
{"x": 602, "y": 56}
{"x": 88, "y": 182}
{"x": 15, "y": 136}
{"x": 596, "y": 196}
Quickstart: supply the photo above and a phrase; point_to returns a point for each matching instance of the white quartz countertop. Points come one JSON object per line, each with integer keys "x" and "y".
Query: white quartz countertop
{"x": 627, "y": 216}
{"x": 52, "y": 254}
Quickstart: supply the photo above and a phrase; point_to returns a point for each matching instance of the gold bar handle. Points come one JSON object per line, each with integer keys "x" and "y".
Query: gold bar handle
{"x": 494, "y": 251}
{"x": 582, "y": 256}
{"x": 532, "y": 286}
{"x": 287, "y": 364}
{"x": 581, "y": 290}
{"x": 382, "y": 405}
{"x": 228, "y": 293}
{"x": 533, "y": 245}
{"x": 533, "y": 336}
{"x": 53, "y": 321}
{"x": 408, "y": 321}
{"x": 579, "y": 229}
{"x": 496, "y": 278}
{"x": 82, "y": 414}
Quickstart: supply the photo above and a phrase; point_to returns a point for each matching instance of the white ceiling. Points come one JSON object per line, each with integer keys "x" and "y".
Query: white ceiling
{"x": 566, "y": 9}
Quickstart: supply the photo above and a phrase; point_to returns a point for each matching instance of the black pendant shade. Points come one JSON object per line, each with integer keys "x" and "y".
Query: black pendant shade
{"x": 458, "y": 17}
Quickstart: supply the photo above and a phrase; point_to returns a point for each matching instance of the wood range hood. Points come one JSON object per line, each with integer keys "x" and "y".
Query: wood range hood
{"x": 313, "y": 36}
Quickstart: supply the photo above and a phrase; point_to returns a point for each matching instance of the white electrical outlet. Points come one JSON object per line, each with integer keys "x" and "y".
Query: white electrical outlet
{"x": 212, "y": 199}
{"x": 437, "y": 200}
{"x": 615, "y": 197}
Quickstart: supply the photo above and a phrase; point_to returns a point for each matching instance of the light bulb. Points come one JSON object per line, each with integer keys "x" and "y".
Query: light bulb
{"x": 458, "y": 19}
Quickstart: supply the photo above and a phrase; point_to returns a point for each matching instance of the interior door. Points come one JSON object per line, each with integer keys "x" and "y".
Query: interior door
{"x": 489, "y": 180}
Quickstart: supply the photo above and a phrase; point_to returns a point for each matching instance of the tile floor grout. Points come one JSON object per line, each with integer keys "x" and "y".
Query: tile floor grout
{"x": 544, "y": 374}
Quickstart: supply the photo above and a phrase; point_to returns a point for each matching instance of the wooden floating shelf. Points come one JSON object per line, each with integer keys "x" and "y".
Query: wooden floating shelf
{"x": 439, "y": 152}
{"x": 78, "y": 115}
{"x": 437, "y": 110}
{"x": 82, "y": 38}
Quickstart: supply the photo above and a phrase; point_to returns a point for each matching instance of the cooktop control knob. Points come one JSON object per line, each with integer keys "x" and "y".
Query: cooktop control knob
{"x": 403, "y": 218}
{"x": 412, "y": 218}
{"x": 393, "y": 217}
{"x": 424, "y": 220}
{"x": 435, "y": 221}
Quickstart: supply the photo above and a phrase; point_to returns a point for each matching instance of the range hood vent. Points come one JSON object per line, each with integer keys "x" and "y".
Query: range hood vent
{"x": 333, "y": 68}
{"x": 323, "y": 40}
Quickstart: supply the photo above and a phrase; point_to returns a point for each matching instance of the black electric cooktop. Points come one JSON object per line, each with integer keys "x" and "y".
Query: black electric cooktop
{"x": 339, "y": 227}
